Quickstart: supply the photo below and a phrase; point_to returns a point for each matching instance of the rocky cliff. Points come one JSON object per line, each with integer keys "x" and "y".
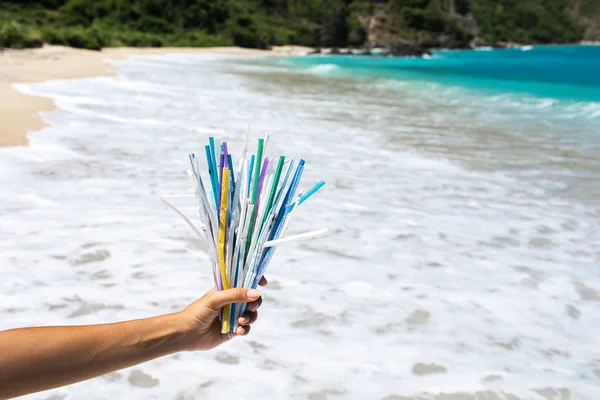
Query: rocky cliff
{"x": 412, "y": 26}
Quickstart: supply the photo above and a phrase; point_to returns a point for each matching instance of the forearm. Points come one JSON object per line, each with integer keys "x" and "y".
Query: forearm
{"x": 34, "y": 359}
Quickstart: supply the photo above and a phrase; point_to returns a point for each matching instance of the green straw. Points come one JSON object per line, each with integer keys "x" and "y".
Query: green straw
{"x": 274, "y": 186}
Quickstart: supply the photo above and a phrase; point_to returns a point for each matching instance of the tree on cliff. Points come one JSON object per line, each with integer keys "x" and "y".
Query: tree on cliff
{"x": 328, "y": 23}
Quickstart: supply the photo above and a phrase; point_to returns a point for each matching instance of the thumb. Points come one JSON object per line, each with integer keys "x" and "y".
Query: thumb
{"x": 220, "y": 298}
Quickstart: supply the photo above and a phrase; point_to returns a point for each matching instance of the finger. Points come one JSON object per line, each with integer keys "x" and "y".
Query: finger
{"x": 248, "y": 318}
{"x": 218, "y": 299}
{"x": 242, "y": 330}
{"x": 263, "y": 281}
{"x": 255, "y": 304}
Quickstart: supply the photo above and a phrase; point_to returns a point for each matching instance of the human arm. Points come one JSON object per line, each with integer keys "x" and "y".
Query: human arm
{"x": 41, "y": 358}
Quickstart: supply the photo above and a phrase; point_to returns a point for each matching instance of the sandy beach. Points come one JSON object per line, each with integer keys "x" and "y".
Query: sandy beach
{"x": 20, "y": 113}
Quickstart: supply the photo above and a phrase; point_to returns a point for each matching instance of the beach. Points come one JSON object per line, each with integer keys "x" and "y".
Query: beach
{"x": 19, "y": 112}
{"x": 462, "y": 201}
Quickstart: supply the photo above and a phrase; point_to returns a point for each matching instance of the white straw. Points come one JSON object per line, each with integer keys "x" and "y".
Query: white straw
{"x": 301, "y": 236}
{"x": 186, "y": 219}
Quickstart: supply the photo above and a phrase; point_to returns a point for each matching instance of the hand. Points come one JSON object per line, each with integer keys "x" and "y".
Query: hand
{"x": 201, "y": 317}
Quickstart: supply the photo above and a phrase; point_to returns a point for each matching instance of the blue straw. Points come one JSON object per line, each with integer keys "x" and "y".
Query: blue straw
{"x": 211, "y": 173}
{"x": 250, "y": 170}
{"x": 192, "y": 157}
{"x": 308, "y": 194}
{"x": 281, "y": 217}
{"x": 211, "y": 142}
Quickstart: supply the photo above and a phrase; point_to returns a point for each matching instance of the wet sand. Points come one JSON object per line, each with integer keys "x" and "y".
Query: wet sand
{"x": 20, "y": 113}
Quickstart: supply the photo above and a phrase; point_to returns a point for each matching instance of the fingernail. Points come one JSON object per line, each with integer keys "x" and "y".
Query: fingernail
{"x": 253, "y": 294}
{"x": 240, "y": 331}
{"x": 244, "y": 320}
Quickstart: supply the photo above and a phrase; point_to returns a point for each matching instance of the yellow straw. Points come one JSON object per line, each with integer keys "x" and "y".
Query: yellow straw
{"x": 221, "y": 244}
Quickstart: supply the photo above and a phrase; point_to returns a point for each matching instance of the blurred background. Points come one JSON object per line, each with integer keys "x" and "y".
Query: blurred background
{"x": 405, "y": 26}
{"x": 460, "y": 144}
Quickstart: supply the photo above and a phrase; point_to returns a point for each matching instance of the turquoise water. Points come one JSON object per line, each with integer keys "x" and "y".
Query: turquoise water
{"x": 560, "y": 72}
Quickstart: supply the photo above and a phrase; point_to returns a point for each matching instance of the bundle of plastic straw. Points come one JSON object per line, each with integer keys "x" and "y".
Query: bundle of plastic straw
{"x": 244, "y": 212}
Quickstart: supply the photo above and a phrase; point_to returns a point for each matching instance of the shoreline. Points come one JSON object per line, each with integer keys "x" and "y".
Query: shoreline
{"x": 417, "y": 50}
{"x": 20, "y": 113}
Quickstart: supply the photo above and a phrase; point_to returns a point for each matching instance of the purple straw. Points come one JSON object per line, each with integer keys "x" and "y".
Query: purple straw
{"x": 261, "y": 180}
{"x": 220, "y": 178}
{"x": 224, "y": 147}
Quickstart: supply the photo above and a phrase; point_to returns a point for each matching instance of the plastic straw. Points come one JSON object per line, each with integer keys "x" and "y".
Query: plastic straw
{"x": 245, "y": 217}
{"x": 301, "y": 236}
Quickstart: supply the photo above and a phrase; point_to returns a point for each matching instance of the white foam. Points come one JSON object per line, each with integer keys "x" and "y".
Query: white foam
{"x": 323, "y": 68}
{"x": 464, "y": 233}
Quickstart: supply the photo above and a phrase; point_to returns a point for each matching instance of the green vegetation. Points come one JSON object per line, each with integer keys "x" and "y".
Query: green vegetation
{"x": 540, "y": 21}
{"x": 94, "y": 24}
{"x": 418, "y": 18}
{"x": 16, "y": 36}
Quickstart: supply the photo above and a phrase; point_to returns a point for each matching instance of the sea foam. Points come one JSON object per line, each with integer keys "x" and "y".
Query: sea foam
{"x": 464, "y": 256}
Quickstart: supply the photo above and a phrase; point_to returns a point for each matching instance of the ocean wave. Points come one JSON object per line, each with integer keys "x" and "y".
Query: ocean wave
{"x": 484, "y": 104}
{"x": 138, "y": 86}
{"x": 39, "y": 90}
{"x": 550, "y": 107}
{"x": 81, "y": 103}
{"x": 587, "y": 110}
{"x": 324, "y": 68}
{"x": 435, "y": 203}
{"x": 75, "y": 108}
{"x": 435, "y": 55}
